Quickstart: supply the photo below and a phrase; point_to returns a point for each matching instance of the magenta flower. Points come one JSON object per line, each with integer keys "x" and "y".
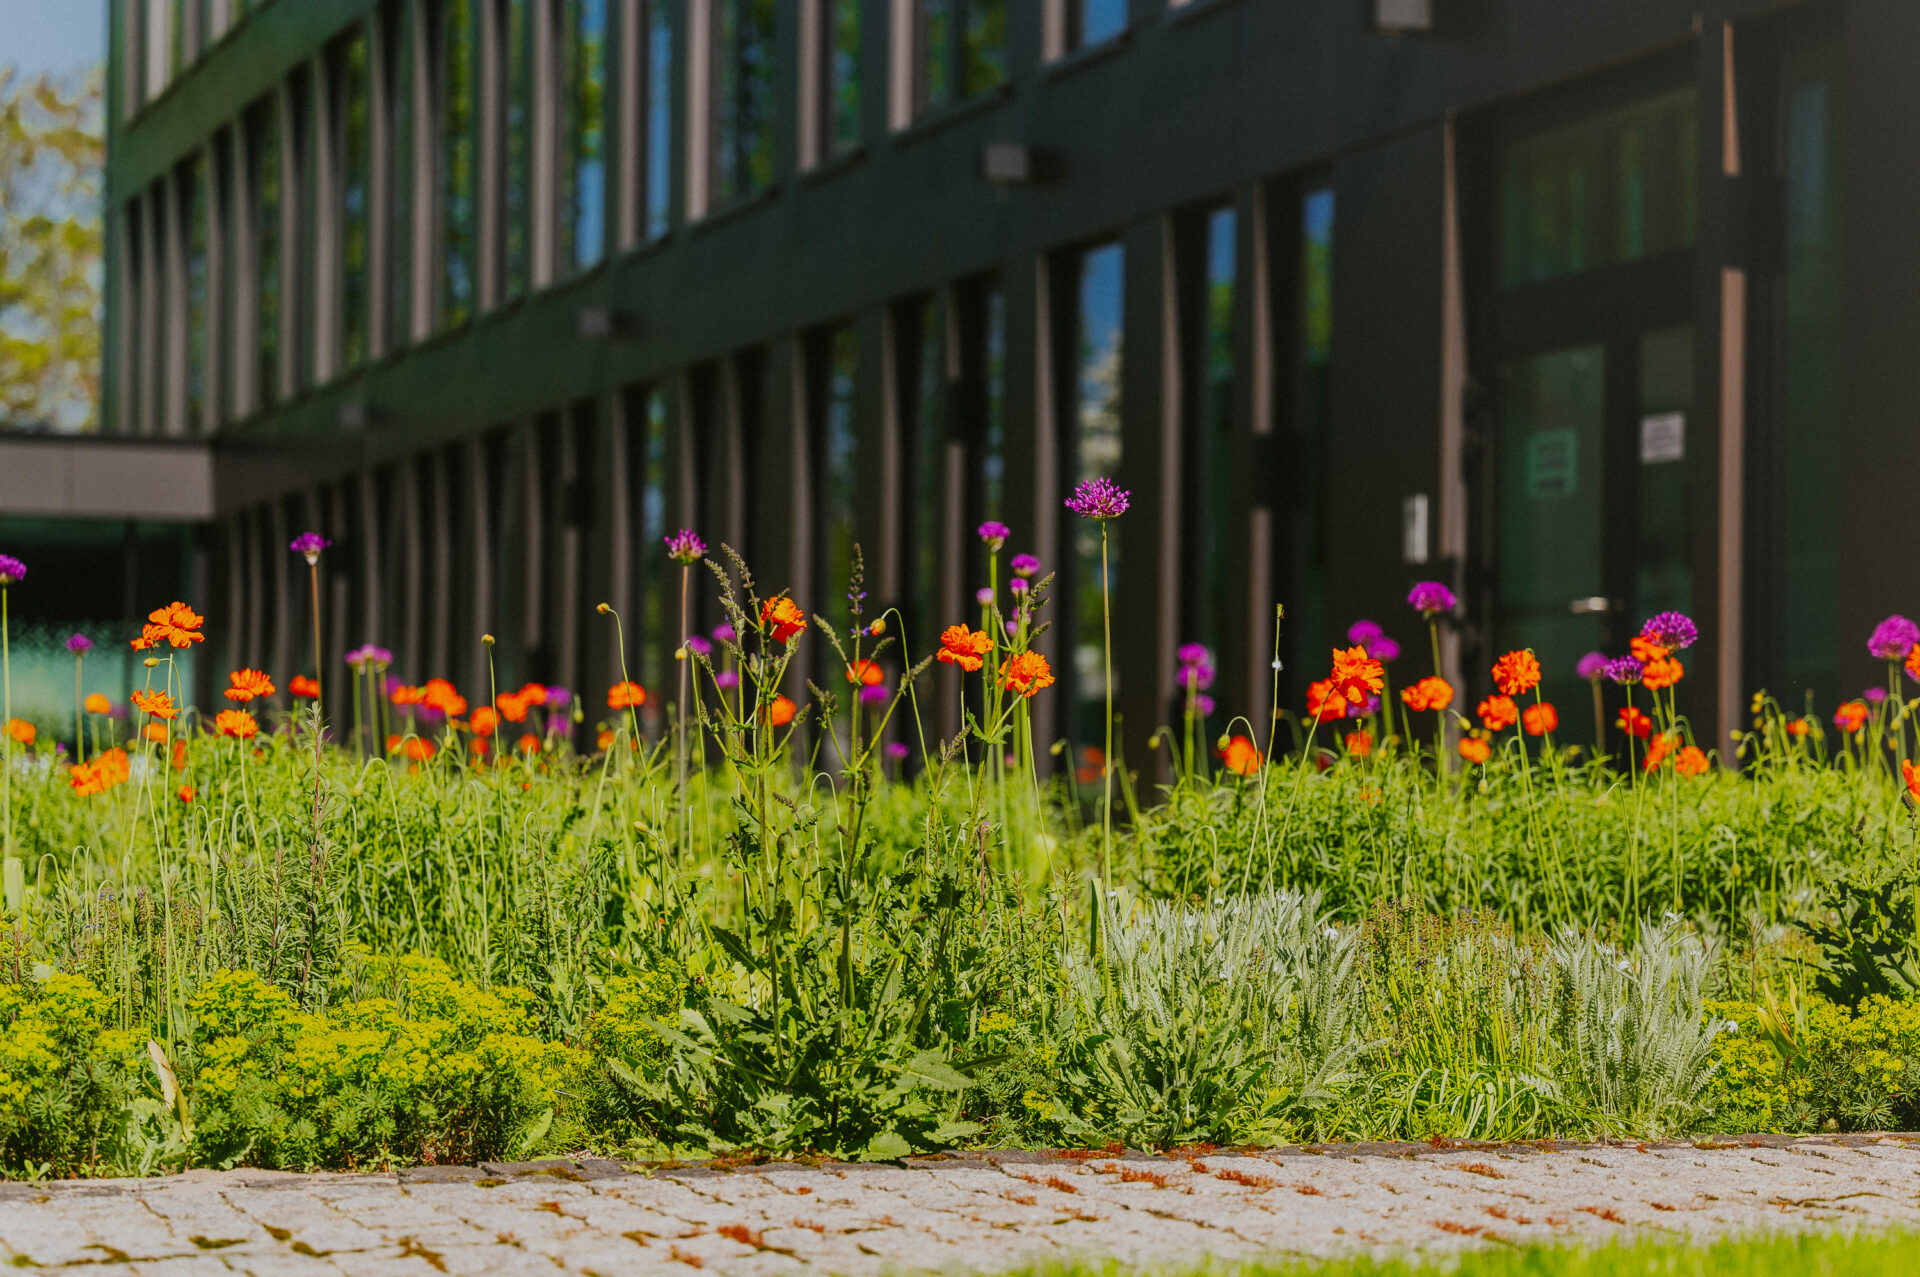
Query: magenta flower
{"x": 1893, "y": 638}
{"x": 1193, "y": 654}
{"x": 685, "y": 547}
{"x": 1384, "y": 650}
{"x": 724, "y": 633}
{"x": 698, "y": 646}
{"x": 1875, "y": 695}
{"x": 79, "y": 644}
{"x": 874, "y": 694}
{"x": 1592, "y": 666}
{"x": 1365, "y": 633}
{"x": 1203, "y": 705}
{"x": 995, "y": 533}
{"x": 1430, "y": 599}
{"x": 984, "y": 595}
{"x": 897, "y": 749}
{"x": 1671, "y": 630}
{"x": 558, "y": 698}
{"x": 309, "y": 544}
{"x": 1369, "y": 707}
{"x": 1025, "y": 565}
{"x": 1099, "y": 499}
{"x": 1018, "y": 585}
{"x": 1625, "y": 670}
{"x": 726, "y": 680}
{"x": 12, "y": 570}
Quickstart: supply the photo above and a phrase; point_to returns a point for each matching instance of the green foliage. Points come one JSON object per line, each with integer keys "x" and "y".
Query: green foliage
{"x": 1809, "y": 1064}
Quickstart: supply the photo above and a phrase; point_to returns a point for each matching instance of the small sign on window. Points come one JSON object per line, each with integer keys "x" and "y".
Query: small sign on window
{"x": 1553, "y": 459}
{"x": 1663, "y": 437}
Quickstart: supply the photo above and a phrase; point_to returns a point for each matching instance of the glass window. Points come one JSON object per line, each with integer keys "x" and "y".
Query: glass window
{"x": 963, "y": 49}
{"x": 455, "y": 169}
{"x": 356, "y": 163}
{"x": 517, "y": 38}
{"x": 583, "y": 221}
{"x": 1096, "y": 454}
{"x": 1663, "y": 557}
{"x": 198, "y": 194}
{"x": 1305, "y": 630}
{"x": 925, "y": 421}
{"x": 1612, "y": 188}
{"x": 1213, "y": 457}
{"x": 743, "y": 98}
{"x": 397, "y": 72}
{"x": 843, "y": 75}
{"x": 659, "y": 119}
{"x": 837, "y": 447}
{"x": 267, "y": 256}
{"x": 1092, "y": 21}
{"x": 993, "y": 453}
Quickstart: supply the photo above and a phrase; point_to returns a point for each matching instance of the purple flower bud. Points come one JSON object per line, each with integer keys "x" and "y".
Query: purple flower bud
{"x": 1025, "y": 565}
{"x": 1203, "y": 705}
{"x": 309, "y": 544}
{"x": 79, "y": 644}
{"x": 724, "y": 633}
{"x": 1365, "y": 633}
{"x": 685, "y": 547}
{"x": 995, "y": 533}
{"x": 726, "y": 680}
{"x": 1625, "y": 670}
{"x": 874, "y": 694}
{"x": 1384, "y": 650}
{"x": 1875, "y": 694}
{"x": 1017, "y": 586}
{"x": 558, "y": 698}
{"x": 984, "y": 595}
{"x": 698, "y": 646}
{"x": 1592, "y": 666}
{"x": 1099, "y": 499}
{"x": 1430, "y": 599}
{"x": 897, "y": 749}
{"x": 1893, "y": 638}
{"x": 1193, "y": 654}
{"x": 1671, "y": 630}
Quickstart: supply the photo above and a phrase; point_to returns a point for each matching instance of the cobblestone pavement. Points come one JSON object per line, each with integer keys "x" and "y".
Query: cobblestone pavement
{"x": 980, "y": 1212}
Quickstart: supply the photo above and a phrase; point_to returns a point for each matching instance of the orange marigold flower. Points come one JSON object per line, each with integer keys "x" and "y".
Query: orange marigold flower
{"x": 1241, "y": 757}
{"x": 1691, "y": 761}
{"x": 1634, "y": 723}
{"x": 155, "y": 732}
{"x": 97, "y": 704}
{"x": 964, "y": 647}
{"x": 185, "y": 793}
{"x": 304, "y": 688}
{"x": 249, "y": 685}
{"x": 780, "y": 711}
{"x": 1646, "y": 650}
{"x": 865, "y": 672}
{"x": 783, "y": 616}
{"x": 1517, "y": 673}
{"x": 1657, "y": 750}
{"x": 1498, "y": 712}
{"x": 626, "y": 695}
{"x": 1026, "y": 673}
{"x": 1911, "y": 774}
{"x": 1356, "y": 676}
{"x": 1430, "y": 693}
{"x": 1360, "y": 743}
{"x": 1540, "y": 719}
{"x": 1662, "y": 672}
{"x": 1475, "y": 750}
{"x": 176, "y": 623}
{"x": 484, "y": 721}
{"x": 236, "y": 723}
{"x": 1851, "y": 716}
{"x": 21, "y": 731}
{"x": 158, "y": 704}
{"x": 1324, "y": 704}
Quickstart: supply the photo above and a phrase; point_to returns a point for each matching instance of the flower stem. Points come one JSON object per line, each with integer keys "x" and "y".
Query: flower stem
{"x": 1106, "y": 620}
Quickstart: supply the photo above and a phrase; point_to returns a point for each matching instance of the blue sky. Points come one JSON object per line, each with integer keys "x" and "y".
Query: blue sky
{"x": 53, "y": 35}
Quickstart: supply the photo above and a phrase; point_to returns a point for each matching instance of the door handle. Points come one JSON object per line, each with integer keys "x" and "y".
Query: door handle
{"x": 1593, "y": 605}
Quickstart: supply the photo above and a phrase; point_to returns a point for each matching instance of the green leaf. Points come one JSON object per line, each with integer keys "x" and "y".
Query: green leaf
{"x": 536, "y": 1132}
{"x": 887, "y": 1146}
{"x": 954, "y": 1130}
{"x": 929, "y": 1069}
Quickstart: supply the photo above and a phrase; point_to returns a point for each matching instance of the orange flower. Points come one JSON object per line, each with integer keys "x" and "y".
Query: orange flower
{"x": 21, "y": 731}
{"x": 1475, "y": 750}
{"x": 528, "y": 743}
{"x": 175, "y": 624}
{"x": 1360, "y": 744}
{"x": 512, "y": 706}
{"x": 185, "y": 793}
{"x": 1324, "y": 704}
{"x": 626, "y": 695}
{"x": 1913, "y": 662}
{"x": 1692, "y": 761}
{"x": 98, "y": 704}
{"x": 101, "y": 774}
{"x": 158, "y": 704}
{"x": 533, "y": 694}
{"x": 180, "y": 755}
{"x": 1851, "y": 717}
{"x": 1912, "y": 776}
{"x": 1801, "y": 726}
{"x": 1662, "y": 672}
{"x": 1431, "y": 692}
{"x": 440, "y": 694}
{"x": 1093, "y": 763}
{"x": 783, "y": 616}
{"x": 393, "y": 742}
{"x": 1657, "y": 750}
{"x": 1645, "y": 650}
{"x": 420, "y": 749}
{"x": 236, "y": 723}
{"x": 964, "y": 647}
{"x": 1498, "y": 712}
{"x": 402, "y": 695}
{"x": 484, "y": 721}
{"x": 1026, "y": 673}
{"x": 249, "y": 685}
{"x": 865, "y": 672}
{"x": 304, "y": 688}
{"x": 1356, "y": 676}
{"x": 155, "y": 732}
{"x": 780, "y": 711}
{"x": 1634, "y": 723}
{"x": 1540, "y": 719}
{"x": 1241, "y": 757}
{"x": 1516, "y": 673}
{"x": 604, "y": 741}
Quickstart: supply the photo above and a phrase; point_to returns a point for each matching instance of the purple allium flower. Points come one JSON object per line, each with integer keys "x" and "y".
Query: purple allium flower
{"x": 1592, "y": 666}
{"x": 1672, "y": 630}
{"x": 725, "y": 633}
{"x": 995, "y": 533}
{"x": 1193, "y": 654}
{"x": 1013, "y": 628}
{"x": 1625, "y": 670}
{"x": 1365, "y": 633}
{"x": 698, "y": 646}
{"x": 1369, "y": 707}
{"x": 1099, "y": 499}
{"x": 1025, "y": 565}
{"x": 1203, "y": 705}
{"x": 1430, "y": 599}
{"x": 558, "y": 698}
{"x": 1017, "y": 586}
{"x": 309, "y": 544}
{"x": 726, "y": 680}
{"x": 79, "y": 644}
{"x": 12, "y": 570}
{"x": 1875, "y": 695}
{"x": 874, "y": 694}
{"x": 685, "y": 547}
{"x": 1893, "y": 638}
{"x": 357, "y": 657}
{"x": 983, "y": 595}
{"x": 380, "y": 656}
{"x": 1384, "y": 650}
{"x": 897, "y": 749}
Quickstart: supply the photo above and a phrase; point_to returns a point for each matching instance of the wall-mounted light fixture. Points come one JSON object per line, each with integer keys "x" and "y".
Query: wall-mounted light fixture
{"x": 1017, "y": 164}
{"x": 1403, "y": 15}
